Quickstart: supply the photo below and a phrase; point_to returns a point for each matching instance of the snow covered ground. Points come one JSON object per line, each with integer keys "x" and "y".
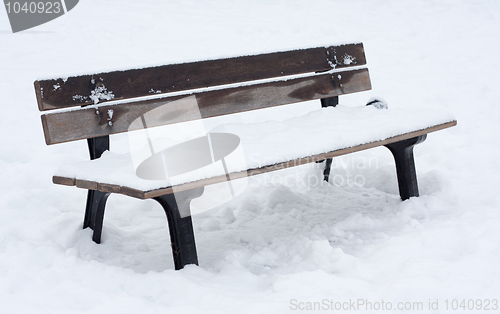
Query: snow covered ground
{"x": 282, "y": 243}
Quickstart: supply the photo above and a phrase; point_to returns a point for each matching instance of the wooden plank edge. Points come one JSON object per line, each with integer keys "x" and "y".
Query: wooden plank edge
{"x": 103, "y": 187}
{"x": 46, "y": 132}
{"x": 109, "y": 188}
{"x": 63, "y": 180}
{"x": 86, "y": 184}
{"x": 39, "y": 95}
{"x": 296, "y": 162}
{"x": 133, "y": 192}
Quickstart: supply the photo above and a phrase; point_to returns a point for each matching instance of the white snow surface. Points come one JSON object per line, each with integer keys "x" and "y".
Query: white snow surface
{"x": 268, "y": 143}
{"x": 286, "y": 239}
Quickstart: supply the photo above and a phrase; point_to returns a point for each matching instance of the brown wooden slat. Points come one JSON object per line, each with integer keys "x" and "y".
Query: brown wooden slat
{"x": 75, "y": 91}
{"x": 133, "y": 192}
{"x": 292, "y": 163}
{"x": 111, "y": 188}
{"x": 85, "y": 184}
{"x": 85, "y": 123}
{"x": 63, "y": 180}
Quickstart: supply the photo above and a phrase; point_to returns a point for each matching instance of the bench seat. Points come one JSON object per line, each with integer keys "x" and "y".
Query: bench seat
{"x": 267, "y": 146}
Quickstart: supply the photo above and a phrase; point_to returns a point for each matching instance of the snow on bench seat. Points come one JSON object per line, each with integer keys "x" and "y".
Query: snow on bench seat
{"x": 267, "y": 146}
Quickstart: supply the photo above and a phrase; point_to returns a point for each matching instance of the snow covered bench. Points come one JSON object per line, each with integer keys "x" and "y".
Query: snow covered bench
{"x": 95, "y": 106}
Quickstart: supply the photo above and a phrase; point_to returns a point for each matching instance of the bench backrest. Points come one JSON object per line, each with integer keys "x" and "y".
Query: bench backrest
{"x": 113, "y": 101}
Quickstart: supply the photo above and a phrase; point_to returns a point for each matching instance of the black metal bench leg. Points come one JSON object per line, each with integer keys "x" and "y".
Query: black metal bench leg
{"x": 405, "y": 165}
{"x": 94, "y": 213}
{"x": 328, "y": 102}
{"x": 96, "y": 200}
{"x": 326, "y": 172}
{"x": 180, "y": 225}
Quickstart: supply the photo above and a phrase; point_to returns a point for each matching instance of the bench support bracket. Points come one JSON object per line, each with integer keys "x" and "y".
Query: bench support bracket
{"x": 180, "y": 225}
{"x": 405, "y": 165}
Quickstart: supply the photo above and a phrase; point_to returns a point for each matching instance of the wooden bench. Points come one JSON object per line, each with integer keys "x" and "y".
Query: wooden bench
{"x": 95, "y": 106}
